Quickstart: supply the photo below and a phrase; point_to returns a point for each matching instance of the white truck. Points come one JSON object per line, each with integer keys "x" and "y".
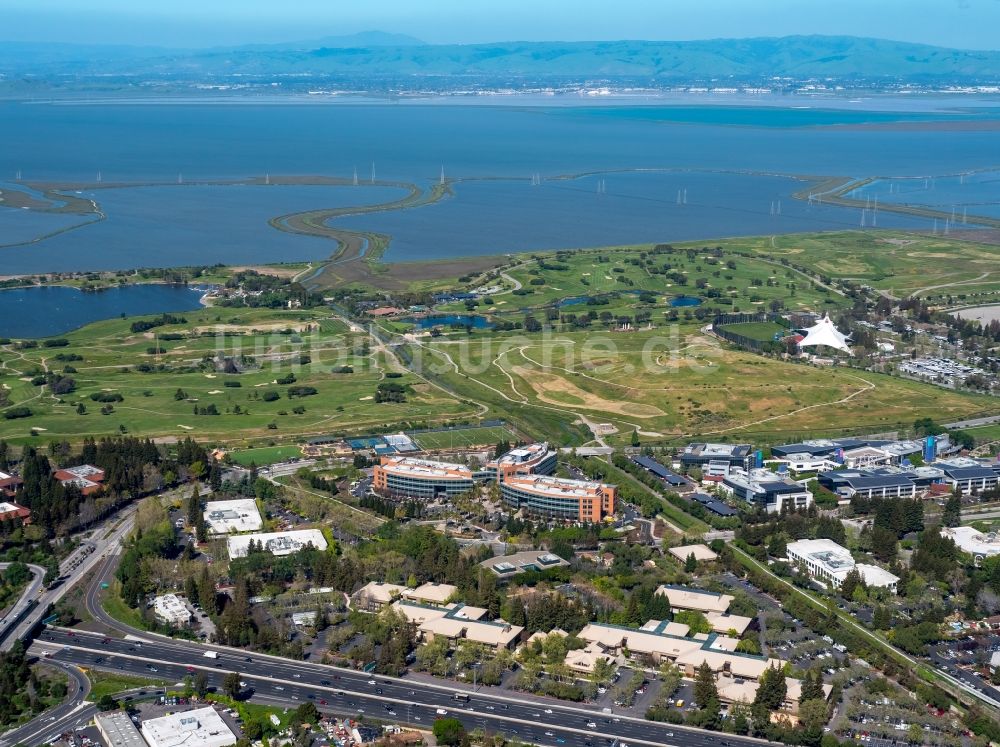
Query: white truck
{"x": 211, "y": 655}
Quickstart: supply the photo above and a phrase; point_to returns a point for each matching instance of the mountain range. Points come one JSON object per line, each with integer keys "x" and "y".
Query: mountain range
{"x": 374, "y": 55}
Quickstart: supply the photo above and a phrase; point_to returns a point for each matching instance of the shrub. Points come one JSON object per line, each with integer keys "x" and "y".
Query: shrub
{"x": 15, "y": 413}
{"x": 270, "y": 396}
{"x": 106, "y": 397}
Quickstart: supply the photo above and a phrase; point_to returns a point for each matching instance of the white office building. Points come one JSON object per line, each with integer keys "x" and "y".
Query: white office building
{"x": 829, "y": 563}
{"x": 172, "y": 610}
{"x": 233, "y": 517}
{"x": 277, "y": 543}
{"x": 202, "y": 727}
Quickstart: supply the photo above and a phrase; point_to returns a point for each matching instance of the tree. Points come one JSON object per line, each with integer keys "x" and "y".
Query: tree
{"x": 200, "y": 685}
{"x": 231, "y": 685}
{"x": 813, "y": 715}
{"x": 851, "y": 582}
{"x": 193, "y": 506}
{"x": 695, "y": 620}
{"x": 951, "y": 515}
{"x": 705, "y": 689}
{"x": 691, "y": 564}
{"x": 200, "y": 529}
{"x": 772, "y": 689}
{"x": 448, "y": 731}
{"x": 812, "y": 686}
{"x": 107, "y": 703}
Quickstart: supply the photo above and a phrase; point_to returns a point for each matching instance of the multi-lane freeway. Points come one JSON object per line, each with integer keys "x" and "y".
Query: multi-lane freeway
{"x": 26, "y": 602}
{"x": 349, "y": 692}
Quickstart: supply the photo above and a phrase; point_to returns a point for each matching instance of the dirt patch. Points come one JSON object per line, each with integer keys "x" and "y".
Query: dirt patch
{"x": 555, "y": 390}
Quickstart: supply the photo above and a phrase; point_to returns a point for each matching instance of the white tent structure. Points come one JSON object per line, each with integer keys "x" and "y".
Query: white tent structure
{"x": 825, "y": 333}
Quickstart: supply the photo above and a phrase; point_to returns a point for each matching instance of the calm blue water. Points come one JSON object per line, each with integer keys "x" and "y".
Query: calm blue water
{"x": 682, "y": 301}
{"x": 166, "y": 226}
{"x": 496, "y": 217}
{"x": 446, "y": 320}
{"x": 977, "y": 193}
{"x": 47, "y": 311}
{"x": 185, "y": 224}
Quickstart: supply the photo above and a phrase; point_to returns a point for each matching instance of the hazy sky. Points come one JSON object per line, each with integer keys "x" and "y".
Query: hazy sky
{"x": 959, "y": 23}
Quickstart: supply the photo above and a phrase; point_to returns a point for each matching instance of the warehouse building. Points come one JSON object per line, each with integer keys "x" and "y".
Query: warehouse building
{"x": 557, "y": 498}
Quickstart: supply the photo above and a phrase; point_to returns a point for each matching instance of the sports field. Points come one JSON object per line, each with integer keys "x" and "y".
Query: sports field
{"x": 463, "y": 438}
{"x": 760, "y": 331}
{"x": 264, "y": 455}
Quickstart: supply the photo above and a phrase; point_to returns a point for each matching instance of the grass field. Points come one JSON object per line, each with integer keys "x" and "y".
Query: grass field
{"x": 264, "y": 455}
{"x": 166, "y": 394}
{"x": 682, "y": 385}
{"x": 106, "y": 683}
{"x": 762, "y": 331}
{"x": 464, "y": 437}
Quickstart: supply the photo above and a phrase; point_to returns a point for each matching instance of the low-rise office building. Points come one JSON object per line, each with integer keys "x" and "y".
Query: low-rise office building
{"x": 507, "y": 566}
{"x": 828, "y": 562}
{"x": 277, "y": 543}
{"x": 172, "y": 610}
{"x": 714, "y": 606}
{"x": 87, "y": 478}
{"x": 852, "y": 453}
{"x": 118, "y": 730}
{"x": 974, "y": 542}
{"x": 202, "y": 727}
{"x": 700, "y": 552}
{"x": 458, "y": 621}
{"x": 717, "y": 458}
{"x": 557, "y": 498}
{"x": 13, "y": 512}
{"x": 375, "y": 595}
{"x": 9, "y": 484}
{"x": 766, "y": 490}
{"x": 227, "y": 517}
{"x": 881, "y": 483}
{"x": 969, "y": 475}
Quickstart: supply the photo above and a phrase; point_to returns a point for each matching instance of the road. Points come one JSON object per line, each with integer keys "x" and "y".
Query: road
{"x": 973, "y": 422}
{"x": 345, "y": 691}
{"x": 67, "y": 716}
{"x": 104, "y": 540}
{"x": 27, "y": 597}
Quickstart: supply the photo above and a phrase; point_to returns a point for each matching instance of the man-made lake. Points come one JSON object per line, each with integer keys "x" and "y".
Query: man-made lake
{"x": 738, "y": 159}
{"x": 54, "y": 310}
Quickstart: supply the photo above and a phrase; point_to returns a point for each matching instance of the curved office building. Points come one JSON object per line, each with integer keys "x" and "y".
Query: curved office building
{"x": 556, "y": 498}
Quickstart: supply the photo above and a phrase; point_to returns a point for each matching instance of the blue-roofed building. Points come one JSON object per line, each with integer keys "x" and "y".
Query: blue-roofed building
{"x": 968, "y": 475}
{"x": 714, "y": 505}
{"x": 651, "y": 465}
{"x": 869, "y": 483}
{"x": 717, "y": 459}
{"x": 766, "y": 490}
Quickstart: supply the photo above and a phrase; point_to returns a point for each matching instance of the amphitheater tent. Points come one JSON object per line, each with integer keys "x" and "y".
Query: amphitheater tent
{"x": 825, "y": 333}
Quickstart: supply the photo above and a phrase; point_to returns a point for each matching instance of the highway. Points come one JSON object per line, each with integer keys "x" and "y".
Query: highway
{"x": 348, "y": 692}
{"x": 64, "y": 717}
{"x": 23, "y": 605}
{"x": 104, "y": 541}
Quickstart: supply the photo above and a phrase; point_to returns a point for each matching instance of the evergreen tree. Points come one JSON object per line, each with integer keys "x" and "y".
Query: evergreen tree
{"x": 200, "y": 529}
{"x": 772, "y": 689}
{"x": 951, "y": 516}
{"x": 691, "y": 564}
{"x": 812, "y": 686}
{"x": 194, "y": 506}
{"x": 705, "y": 689}
{"x": 851, "y": 582}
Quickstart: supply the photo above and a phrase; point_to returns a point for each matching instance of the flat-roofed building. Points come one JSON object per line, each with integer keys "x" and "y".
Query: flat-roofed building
{"x": 277, "y": 543}
{"x": 881, "y": 483}
{"x": 87, "y": 478}
{"x": 700, "y": 552}
{"x": 557, "y": 498}
{"x": 506, "y": 566}
{"x": 766, "y": 490}
{"x": 118, "y": 730}
{"x": 172, "y": 610}
{"x": 13, "y": 512}
{"x": 533, "y": 459}
{"x": 227, "y": 517}
{"x": 974, "y": 542}
{"x": 830, "y": 563}
{"x": 738, "y": 690}
{"x": 409, "y": 477}
{"x": 717, "y": 458}
{"x": 202, "y": 727}
{"x": 968, "y": 475}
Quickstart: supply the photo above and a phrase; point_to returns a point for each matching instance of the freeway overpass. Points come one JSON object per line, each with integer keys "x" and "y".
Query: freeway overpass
{"x": 348, "y": 692}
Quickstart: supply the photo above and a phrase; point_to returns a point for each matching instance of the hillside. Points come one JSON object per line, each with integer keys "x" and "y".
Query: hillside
{"x": 375, "y": 55}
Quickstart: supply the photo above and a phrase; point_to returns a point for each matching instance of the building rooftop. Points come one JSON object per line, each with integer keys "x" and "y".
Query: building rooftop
{"x": 202, "y": 727}
{"x": 973, "y": 541}
{"x": 278, "y": 543}
{"x": 529, "y": 560}
{"x": 555, "y": 486}
{"x": 700, "y": 552}
{"x": 118, "y": 730}
{"x": 425, "y": 468}
{"x": 433, "y": 593}
{"x": 239, "y": 515}
{"x": 686, "y": 598}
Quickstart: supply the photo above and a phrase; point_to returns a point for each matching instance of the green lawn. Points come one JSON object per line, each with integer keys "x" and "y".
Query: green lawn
{"x": 761, "y": 331}
{"x": 464, "y": 437}
{"x": 106, "y": 683}
{"x": 265, "y": 455}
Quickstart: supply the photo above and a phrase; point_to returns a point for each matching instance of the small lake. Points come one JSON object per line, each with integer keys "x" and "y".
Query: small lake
{"x": 448, "y": 320}
{"x": 682, "y": 301}
{"x": 54, "y": 310}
